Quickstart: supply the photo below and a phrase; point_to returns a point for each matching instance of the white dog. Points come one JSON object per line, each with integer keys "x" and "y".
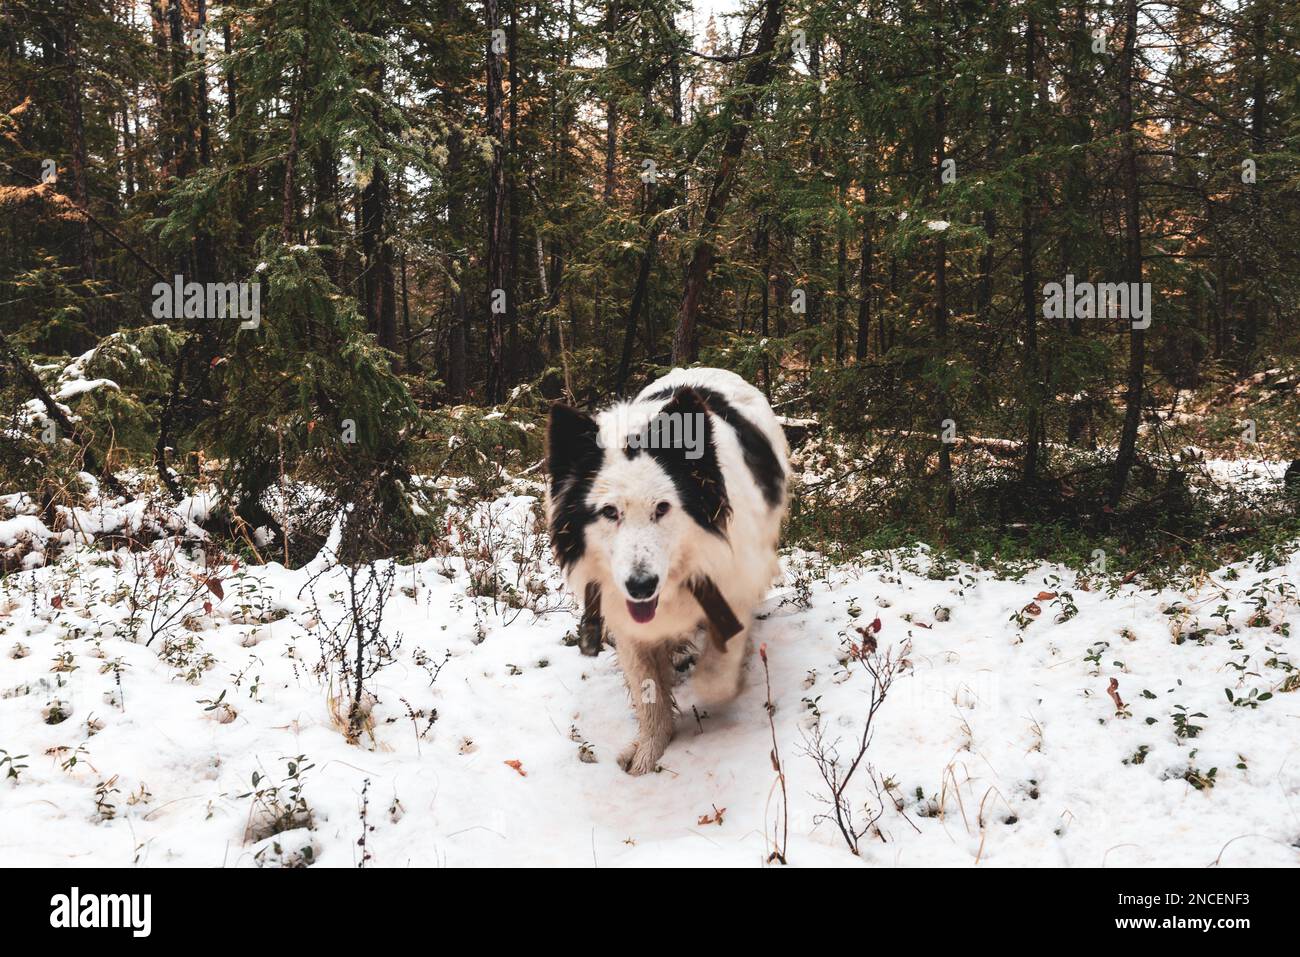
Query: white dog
{"x": 665, "y": 514}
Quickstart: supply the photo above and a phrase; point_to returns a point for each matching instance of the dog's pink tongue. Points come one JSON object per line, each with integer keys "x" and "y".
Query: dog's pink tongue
{"x": 643, "y": 611}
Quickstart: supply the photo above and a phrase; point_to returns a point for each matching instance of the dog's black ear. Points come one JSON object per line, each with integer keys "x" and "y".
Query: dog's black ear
{"x": 570, "y": 442}
{"x": 695, "y": 470}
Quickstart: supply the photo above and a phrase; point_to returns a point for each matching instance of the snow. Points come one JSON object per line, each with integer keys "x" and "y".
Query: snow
{"x": 937, "y": 225}
{"x": 1002, "y": 722}
{"x": 22, "y": 527}
{"x": 75, "y": 387}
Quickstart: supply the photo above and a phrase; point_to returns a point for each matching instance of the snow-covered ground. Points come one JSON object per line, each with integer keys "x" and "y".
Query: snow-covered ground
{"x": 999, "y": 743}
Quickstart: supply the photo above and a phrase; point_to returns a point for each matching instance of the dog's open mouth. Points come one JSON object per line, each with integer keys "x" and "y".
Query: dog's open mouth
{"x": 643, "y": 611}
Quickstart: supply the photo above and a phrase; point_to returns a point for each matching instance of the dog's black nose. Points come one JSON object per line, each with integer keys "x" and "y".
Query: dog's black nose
{"x": 641, "y": 587}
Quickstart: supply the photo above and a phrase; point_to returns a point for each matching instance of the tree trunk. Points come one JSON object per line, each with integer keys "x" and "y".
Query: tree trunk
{"x": 1250, "y": 326}
{"x": 759, "y": 69}
{"x": 640, "y": 292}
{"x": 1028, "y": 281}
{"x": 941, "y": 290}
{"x": 77, "y": 144}
{"x": 815, "y": 175}
{"x": 841, "y": 289}
{"x": 519, "y": 360}
{"x": 865, "y": 280}
{"x": 289, "y": 195}
{"x": 763, "y": 253}
{"x": 1127, "y": 452}
{"x": 497, "y": 241}
{"x": 611, "y": 102}
{"x": 458, "y": 331}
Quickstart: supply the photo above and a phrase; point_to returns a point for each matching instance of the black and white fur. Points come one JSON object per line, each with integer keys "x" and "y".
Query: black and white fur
{"x": 643, "y": 524}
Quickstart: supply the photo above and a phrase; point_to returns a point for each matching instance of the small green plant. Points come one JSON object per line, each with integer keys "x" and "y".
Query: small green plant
{"x": 105, "y": 810}
{"x": 278, "y": 807}
{"x": 1183, "y": 726}
{"x": 1202, "y": 782}
{"x": 10, "y": 764}
{"x": 218, "y": 708}
{"x": 1251, "y": 700}
{"x": 1139, "y": 756}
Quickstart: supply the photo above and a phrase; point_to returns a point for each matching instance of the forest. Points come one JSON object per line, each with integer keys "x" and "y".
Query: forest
{"x": 862, "y": 207}
{"x": 288, "y": 289}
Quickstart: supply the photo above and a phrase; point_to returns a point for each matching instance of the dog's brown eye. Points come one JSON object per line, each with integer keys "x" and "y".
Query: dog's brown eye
{"x": 662, "y": 509}
{"x": 609, "y": 512}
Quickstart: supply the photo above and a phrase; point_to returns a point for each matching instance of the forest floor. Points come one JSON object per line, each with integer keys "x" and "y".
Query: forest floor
{"x": 164, "y": 721}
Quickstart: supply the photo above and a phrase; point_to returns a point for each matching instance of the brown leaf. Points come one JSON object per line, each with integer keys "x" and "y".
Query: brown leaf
{"x": 1045, "y": 596}
{"x": 57, "y": 601}
{"x": 714, "y": 818}
{"x": 1032, "y": 609}
{"x": 518, "y": 766}
{"x": 1113, "y": 691}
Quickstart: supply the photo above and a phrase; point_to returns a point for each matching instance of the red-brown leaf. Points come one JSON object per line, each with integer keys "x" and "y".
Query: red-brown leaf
{"x": 714, "y": 818}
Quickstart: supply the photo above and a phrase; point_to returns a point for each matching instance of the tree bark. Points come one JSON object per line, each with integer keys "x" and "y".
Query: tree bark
{"x": 1127, "y": 452}
{"x": 815, "y": 174}
{"x": 497, "y": 241}
{"x": 77, "y": 151}
{"x": 763, "y": 253}
{"x": 640, "y": 292}
{"x": 758, "y": 71}
{"x": 611, "y": 103}
{"x": 1028, "y": 280}
{"x": 941, "y": 306}
{"x": 865, "y": 282}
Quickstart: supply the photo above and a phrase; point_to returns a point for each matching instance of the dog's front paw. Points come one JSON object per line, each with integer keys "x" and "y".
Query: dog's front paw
{"x": 641, "y": 756}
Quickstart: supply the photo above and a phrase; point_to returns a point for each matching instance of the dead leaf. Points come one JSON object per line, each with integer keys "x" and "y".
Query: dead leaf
{"x": 1045, "y": 596}
{"x": 1032, "y": 609}
{"x": 1113, "y": 691}
{"x": 518, "y": 766}
{"x": 212, "y": 584}
{"x": 714, "y": 818}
